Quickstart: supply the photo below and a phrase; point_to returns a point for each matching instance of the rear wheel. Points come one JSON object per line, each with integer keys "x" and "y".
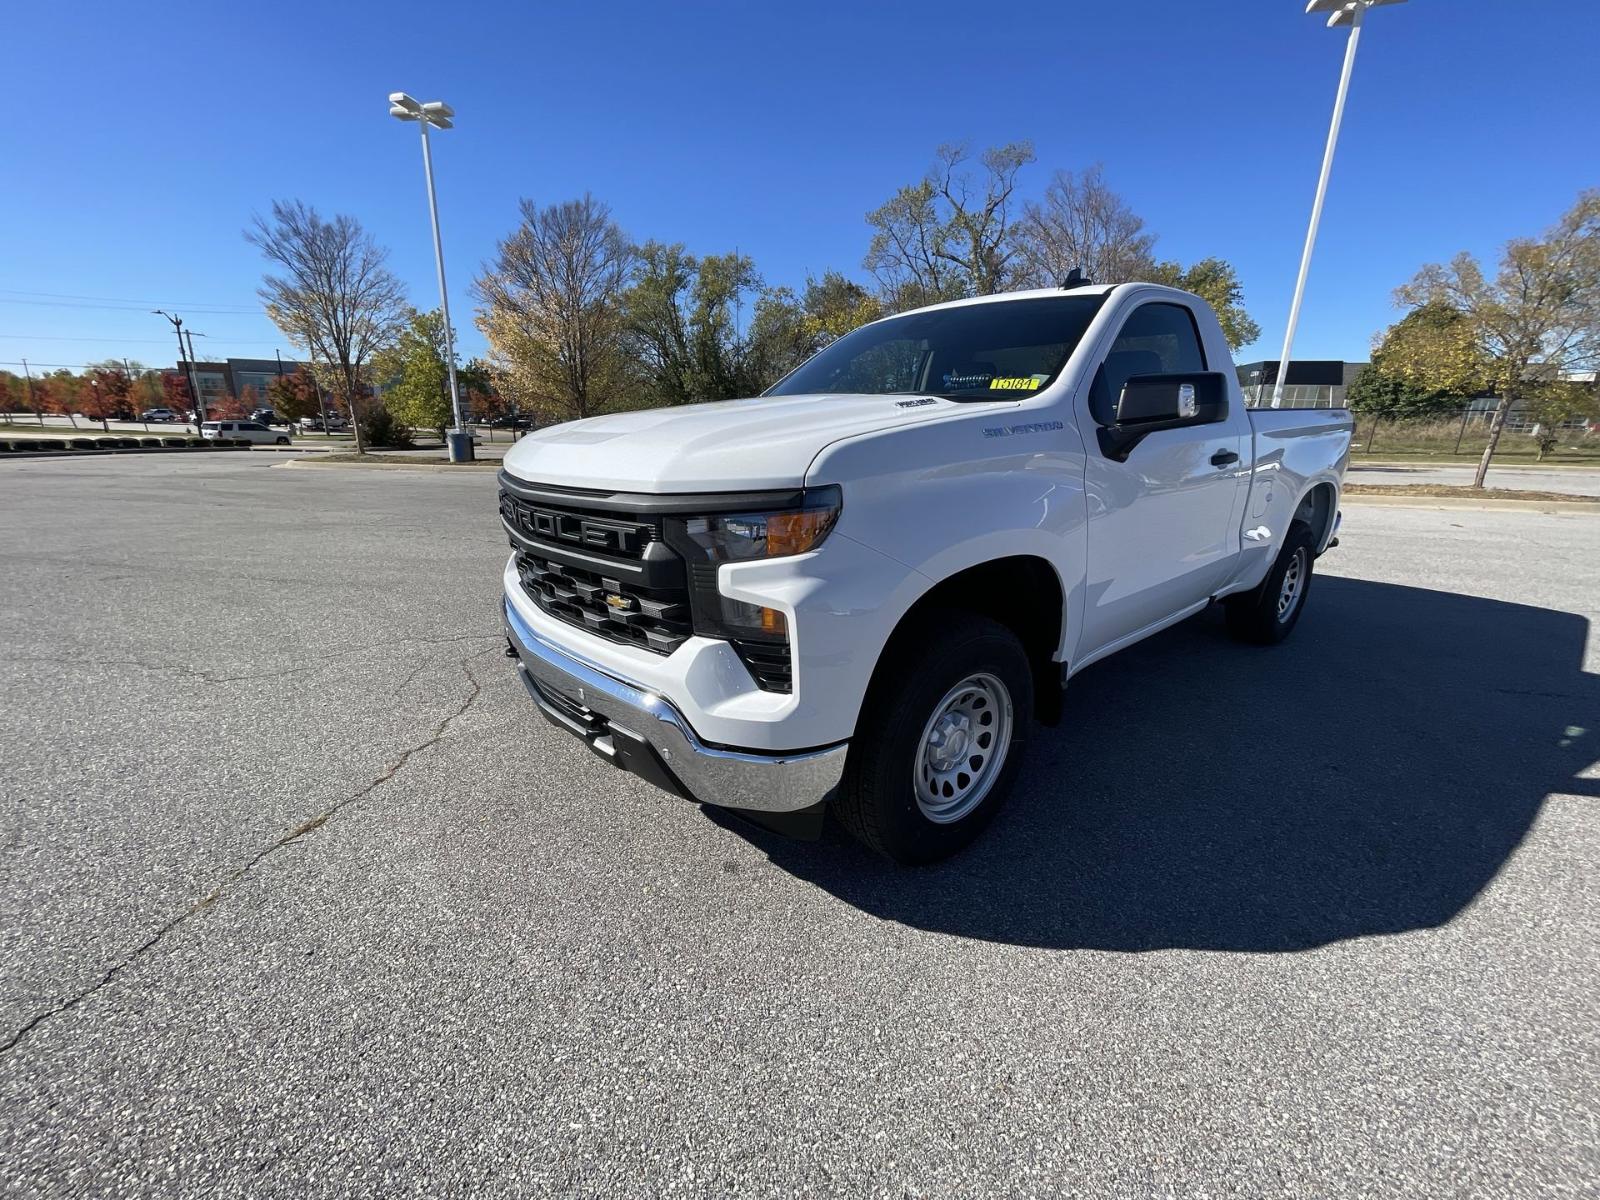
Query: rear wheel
{"x": 1267, "y": 614}
{"x": 939, "y": 739}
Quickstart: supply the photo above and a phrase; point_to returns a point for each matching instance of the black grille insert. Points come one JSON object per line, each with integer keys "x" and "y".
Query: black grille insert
{"x": 617, "y": 566}
{"x": 656, "y": 619}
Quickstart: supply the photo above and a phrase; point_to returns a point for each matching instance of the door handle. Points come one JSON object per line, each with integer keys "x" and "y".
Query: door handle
{"x": 1223, "y": 457}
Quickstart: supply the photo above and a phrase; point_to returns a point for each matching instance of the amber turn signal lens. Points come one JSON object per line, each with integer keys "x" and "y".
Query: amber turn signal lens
{"x": 796, "y": 532}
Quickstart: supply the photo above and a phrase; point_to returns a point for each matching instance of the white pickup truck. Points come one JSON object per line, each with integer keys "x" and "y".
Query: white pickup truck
{"x": 861, "y": 588}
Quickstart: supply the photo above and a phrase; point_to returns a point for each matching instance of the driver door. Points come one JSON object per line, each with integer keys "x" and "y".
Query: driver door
{"x": 1163, "y": 527}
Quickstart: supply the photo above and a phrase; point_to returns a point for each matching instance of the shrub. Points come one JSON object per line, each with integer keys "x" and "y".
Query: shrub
{"x": 380, "y": 429}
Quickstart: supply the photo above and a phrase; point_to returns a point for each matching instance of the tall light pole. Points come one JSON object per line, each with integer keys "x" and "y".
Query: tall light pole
{"x": 441, "y": 116}
{"x": 1344, "y": 12}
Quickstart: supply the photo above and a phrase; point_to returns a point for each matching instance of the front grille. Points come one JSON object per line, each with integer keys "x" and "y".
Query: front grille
{"x": 656, "y": 619}
{"x": 609, "y": 569}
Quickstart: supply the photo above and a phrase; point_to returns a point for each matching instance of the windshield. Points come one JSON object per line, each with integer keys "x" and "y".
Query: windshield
{"x": 1001, "y": 351}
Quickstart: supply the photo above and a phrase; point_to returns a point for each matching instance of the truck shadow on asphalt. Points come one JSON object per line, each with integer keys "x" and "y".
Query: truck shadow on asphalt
{"x": 1369, "y": 776}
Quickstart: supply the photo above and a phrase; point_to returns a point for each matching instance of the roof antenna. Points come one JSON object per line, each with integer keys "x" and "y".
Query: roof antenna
{"x": 1075, "y": 278}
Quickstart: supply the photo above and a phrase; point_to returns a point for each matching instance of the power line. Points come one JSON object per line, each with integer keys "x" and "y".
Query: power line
{"x": 134, "y": 307}
{"x": 114, "y": 299}
{"x": 51, "y": 337}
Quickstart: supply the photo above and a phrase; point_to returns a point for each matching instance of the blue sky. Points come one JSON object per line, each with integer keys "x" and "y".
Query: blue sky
{"x": 141, "y": 138}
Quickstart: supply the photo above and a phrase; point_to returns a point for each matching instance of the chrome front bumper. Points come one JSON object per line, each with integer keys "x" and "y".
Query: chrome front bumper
{"x": 646, "y": 734}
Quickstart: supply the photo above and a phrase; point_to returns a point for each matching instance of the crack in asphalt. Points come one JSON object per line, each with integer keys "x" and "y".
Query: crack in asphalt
{"x": 206, "y": 676}
{"x": 260, "y": 856}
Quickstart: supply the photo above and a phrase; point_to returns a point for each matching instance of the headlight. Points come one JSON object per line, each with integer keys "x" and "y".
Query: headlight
{"x": 739, "y": 537}
{"x": 708, "y": 542}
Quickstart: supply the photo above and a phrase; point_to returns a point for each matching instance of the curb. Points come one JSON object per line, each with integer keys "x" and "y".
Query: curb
{"x": 1448, "y": 503}
{"x": 435, "y": 467}
{"x": 1428, "y": 464}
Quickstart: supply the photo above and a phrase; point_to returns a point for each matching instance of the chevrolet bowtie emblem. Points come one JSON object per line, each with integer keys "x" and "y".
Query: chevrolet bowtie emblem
{"x": 618, "y": 603}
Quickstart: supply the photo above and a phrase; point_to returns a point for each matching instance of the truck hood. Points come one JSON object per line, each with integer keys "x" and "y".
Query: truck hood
{"x": 727, "y": 446}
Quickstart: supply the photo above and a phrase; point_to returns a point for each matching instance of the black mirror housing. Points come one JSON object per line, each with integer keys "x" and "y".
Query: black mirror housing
{"x": 1166, "y": 401}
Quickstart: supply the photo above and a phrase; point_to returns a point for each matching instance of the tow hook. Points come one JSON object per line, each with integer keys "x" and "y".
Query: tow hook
{"x": 511, "y": 647}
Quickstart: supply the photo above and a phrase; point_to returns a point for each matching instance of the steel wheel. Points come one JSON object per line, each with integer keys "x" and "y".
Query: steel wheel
{"x": 1291, "y": 589}
{"x": 963, "y": 748}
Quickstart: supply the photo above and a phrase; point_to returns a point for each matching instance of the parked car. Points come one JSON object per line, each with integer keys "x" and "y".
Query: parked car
{"x": 266, "y": 416}
{"x": 158, "y": 416}
{"x": 511, "y": 422}
{"x": 861, "y": 588}
{"x": 335, "y": 424}
{"x": 250, "y": 431}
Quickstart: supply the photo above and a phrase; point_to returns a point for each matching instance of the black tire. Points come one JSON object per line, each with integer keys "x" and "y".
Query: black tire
{"x": 1257, "y": 616}
{"x": 925, "y": 664}
{"x": 283, "y": 441}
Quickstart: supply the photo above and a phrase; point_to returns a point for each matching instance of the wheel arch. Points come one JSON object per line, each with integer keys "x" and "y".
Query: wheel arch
{"x": 1023, "y": 592}
{"x": 1317, "y": 506}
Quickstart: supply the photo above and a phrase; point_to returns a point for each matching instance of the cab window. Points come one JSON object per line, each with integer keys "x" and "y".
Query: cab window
{"x": 1156, "y": 339}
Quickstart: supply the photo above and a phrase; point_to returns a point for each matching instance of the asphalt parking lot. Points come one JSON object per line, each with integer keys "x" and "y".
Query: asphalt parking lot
{"x": 299, "y": 896}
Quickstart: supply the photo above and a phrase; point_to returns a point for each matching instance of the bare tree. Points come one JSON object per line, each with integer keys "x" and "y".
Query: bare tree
{"x": 1082, "y": 223}
{"x": 1538, "y": 318}
{"x": 950, "y": 234}
{"x": 980, "y": 244}
{"x": 335, "y": 298}
{"x": 551, "y": 308}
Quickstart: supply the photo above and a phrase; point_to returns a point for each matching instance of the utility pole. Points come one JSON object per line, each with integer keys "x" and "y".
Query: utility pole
{"x": 31, "y": 403}
{"x": 194, "y": 380}
{"x": 194, "y": 371}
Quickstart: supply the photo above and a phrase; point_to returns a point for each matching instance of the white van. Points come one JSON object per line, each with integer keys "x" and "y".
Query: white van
{"x": 250, "y": 431}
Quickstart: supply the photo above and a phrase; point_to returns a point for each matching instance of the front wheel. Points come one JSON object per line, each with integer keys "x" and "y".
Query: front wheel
{"x": 1267, "y": 614}
{"x": 940, "y": 738}
{"x": 283, "y": 441}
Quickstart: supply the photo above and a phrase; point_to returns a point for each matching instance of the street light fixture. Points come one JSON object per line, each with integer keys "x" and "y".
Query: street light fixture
{"x": 1341, "y": 12}
{"x": 439, "y": 115}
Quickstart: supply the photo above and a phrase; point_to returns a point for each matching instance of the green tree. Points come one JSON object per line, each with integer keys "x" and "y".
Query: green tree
{"x": 1388, "y": 391}
{"x": 1536, "y": 319}
{"x": 1217, "y": 283}
{"x": 480, "y": 398}
{"x": 835, "y": 305}
{"x": 1550, "y": 403}
{"x": 683, "y": 316}
{"x": 416, "y": 375}
{"x": 788, "y": 329}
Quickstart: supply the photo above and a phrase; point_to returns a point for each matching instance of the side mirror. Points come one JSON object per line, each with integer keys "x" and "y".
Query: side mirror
{"x": 1168, "y": 401}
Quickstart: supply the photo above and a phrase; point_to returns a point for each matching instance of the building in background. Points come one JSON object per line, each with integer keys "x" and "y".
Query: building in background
{"x": 1312, "y": 383}
{"x": 224, "y": 380}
